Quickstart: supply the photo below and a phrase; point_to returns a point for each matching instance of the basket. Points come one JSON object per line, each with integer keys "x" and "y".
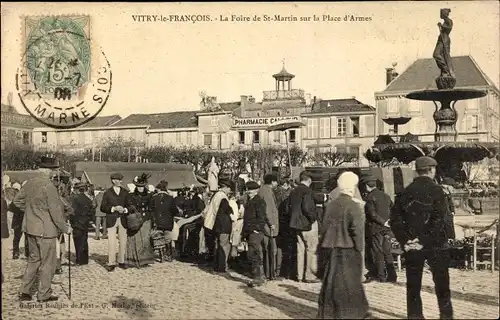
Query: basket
{"x": 158, "y": 239}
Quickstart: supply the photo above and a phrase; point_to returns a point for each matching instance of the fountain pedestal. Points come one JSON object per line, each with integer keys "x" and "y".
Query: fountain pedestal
{"x": 445, "y": 115}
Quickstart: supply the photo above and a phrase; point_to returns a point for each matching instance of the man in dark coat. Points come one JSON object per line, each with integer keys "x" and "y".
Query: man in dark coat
{"x": 254, "y": 222}
{"x": 83, "y": 214}
{"x": 378, "y": 210}
{"x": 17, "y": 222}
{"x": 114, "y": 205}
{"x": 286, "y": 241}
{"x": 303, "y": 219}
{"x": 43, "y": 221}
{"x": 164, "y": 211}
{"x": 222, "y": 228}
{"x": 5, "y": 230}
{"x": 418, "y": 223}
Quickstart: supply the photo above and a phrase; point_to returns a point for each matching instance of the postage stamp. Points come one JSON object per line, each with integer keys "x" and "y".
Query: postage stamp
{"x": 65, "y": 78}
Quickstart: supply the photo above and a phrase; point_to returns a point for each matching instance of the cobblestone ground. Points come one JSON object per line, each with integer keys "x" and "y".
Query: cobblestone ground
{"x": 183, "y": 291}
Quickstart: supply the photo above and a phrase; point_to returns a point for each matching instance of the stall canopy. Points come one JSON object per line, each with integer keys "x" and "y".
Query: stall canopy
{"x": 98, "y": 173}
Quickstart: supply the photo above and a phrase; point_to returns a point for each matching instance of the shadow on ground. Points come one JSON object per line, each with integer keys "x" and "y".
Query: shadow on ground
{"x": 133, "y": 308}
{"x": 313, "y": 297}
{"x": 289, "y": 307}
{"x": 100, "y": 259}
{"x": 478, "y": 298}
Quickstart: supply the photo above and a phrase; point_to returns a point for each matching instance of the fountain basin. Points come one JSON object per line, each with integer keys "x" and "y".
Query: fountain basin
{"x": 446, "y": 94}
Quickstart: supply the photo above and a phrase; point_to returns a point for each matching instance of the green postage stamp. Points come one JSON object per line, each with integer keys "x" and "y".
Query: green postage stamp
{"x": 58, "y": 53}
{"x": 65, "y": 78}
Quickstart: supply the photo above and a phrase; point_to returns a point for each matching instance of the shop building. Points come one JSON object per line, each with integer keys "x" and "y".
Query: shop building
{"x": 336, "y": 124}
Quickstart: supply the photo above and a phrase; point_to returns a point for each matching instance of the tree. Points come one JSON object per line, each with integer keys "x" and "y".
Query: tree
{"x": 475, "y": 171}
{"x": 333, "y": 158}
{"x": 118, "y": 149}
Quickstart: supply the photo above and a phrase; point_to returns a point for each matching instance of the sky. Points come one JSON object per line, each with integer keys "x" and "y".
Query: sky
{"x": 162, "y": 67}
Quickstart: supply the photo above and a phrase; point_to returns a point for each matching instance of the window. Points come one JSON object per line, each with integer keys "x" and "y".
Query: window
{"x": 354, "y": 151}
{"x": 472, "y": 123}
{"x": 392, "y": 105}
{"x": 355, "y": 126}
{"x": 26, "y": 137}
{"x": 324, "y": 128}
{"x": 341, "y": 126}
{"x": 293, "y": 135}
{"x": 241, "y": 137}
{"x": 214, "y": 121}
{"x": 341, "y": 149}
{"x": 44, "y": 137}
{"x": 312, "y": 128}
{"x": 277, "y": 136}
{"x": 207, "y": 139}
{"x": 178, "y": 137}
{"x": 189, "y": 137}
{"x": 414, "y": 106}
{"x": 256, "y": 137}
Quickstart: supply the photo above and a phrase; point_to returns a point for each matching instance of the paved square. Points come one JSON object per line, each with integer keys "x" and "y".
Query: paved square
{"x": 183, "y": 291}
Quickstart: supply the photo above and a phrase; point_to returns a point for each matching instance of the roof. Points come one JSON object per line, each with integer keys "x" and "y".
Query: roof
{"x": 422, "y": 74}
{"x": 340, "y": 105}
{"x": 8, "y": 108}
{"x": 10, "y": 116}
{"x": 178, "y": 175}
{"x": 170, "y": 120}
{"x": 283, "y": 74}
{"x": 101, "y": 121}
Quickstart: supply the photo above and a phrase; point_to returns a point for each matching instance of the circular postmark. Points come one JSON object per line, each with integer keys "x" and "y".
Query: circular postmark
{"x": 63, "y": 82}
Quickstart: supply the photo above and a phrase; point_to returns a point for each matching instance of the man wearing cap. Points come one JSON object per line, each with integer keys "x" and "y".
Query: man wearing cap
{"x": 16, "y": 225}
{"x": 304, "y": 221}
{"x": 266, "y": 192}
{"x": 222, "y": 225}
{"x": 254, "y": 223}
{"x": 43, "y": 221}
{"x": 84, "y": 211}
{"x": 114, "y": 205}
{"x": 378, "y": 210}
{"x": 418, "y": 222}
{"x": 286, "y": 241}
{"x": 100, "y": 217}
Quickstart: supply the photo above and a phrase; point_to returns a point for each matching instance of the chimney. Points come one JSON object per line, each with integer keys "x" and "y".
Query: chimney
{"x": 243, "y": 104}
{"x": 390, "y": 73}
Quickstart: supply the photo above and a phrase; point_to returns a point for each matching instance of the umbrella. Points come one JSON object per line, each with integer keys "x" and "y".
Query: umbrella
{"x": 285, "y": 125}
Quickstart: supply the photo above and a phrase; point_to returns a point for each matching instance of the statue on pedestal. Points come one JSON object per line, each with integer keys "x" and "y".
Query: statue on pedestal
{"x": 442, "y": 55}
{"x": 213, "y": 176}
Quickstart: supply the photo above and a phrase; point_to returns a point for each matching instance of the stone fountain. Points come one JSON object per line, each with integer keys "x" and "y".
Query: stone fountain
{"x": 448, "y": 152}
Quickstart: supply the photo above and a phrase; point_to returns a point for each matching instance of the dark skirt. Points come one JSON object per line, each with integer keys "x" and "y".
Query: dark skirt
{"x": 139, "y": 249}
{"x": 342, "y": 294}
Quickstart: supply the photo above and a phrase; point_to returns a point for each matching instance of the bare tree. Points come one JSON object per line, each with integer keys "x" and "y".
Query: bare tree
{"x": 333, "y": 158}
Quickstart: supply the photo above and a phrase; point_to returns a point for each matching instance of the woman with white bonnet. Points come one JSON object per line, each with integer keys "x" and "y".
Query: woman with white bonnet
{"x": 341, "y": 244}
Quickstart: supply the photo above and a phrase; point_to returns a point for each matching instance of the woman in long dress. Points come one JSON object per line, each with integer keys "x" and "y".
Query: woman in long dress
{"x": 139, "y": 250}
{"x": 342, "y": 294}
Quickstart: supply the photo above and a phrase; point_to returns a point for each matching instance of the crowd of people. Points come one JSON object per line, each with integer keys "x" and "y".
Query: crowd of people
{"x": 280, "y": 228}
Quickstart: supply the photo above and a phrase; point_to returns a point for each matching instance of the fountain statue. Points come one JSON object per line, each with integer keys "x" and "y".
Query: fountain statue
{"x": 442, "y": 54}
{"x": 448, "y": 152}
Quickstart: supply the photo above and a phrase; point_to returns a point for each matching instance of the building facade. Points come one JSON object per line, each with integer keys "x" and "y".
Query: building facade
{"x": 478, "y": 119}
{"x": 17, "y": 129}
{"x": 344, "y": 125}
